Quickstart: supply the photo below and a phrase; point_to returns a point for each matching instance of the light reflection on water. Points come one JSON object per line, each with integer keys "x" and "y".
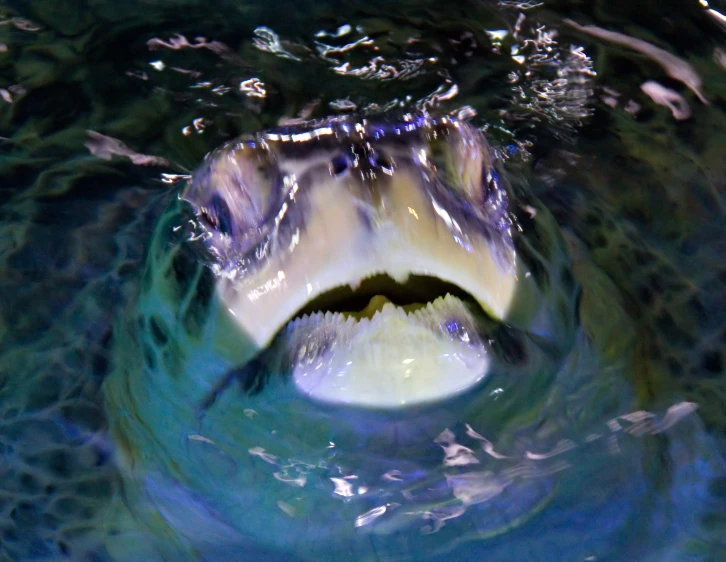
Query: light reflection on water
{"x": 91, "y": 137}
{"x": 393, "y": 476}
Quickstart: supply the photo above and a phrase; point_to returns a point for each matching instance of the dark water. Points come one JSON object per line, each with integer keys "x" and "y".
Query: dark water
{"x": 105, "y": 103}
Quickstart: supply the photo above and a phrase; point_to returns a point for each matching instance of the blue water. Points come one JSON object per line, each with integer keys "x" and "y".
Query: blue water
{"x": 614, "y": 113}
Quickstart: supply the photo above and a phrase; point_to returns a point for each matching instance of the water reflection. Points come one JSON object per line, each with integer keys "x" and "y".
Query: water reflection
{"x": 560, "y": 102}
{"x": 619, "y": 116}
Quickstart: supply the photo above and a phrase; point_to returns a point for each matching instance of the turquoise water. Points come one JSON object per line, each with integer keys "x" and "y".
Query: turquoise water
{"x": 617, "y": 128}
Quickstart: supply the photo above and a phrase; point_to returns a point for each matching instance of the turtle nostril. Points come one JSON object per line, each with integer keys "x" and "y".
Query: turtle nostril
{"x": 380, "y": 160}
{"x": 383, "y": 162}
{"x": 338, "y": 165}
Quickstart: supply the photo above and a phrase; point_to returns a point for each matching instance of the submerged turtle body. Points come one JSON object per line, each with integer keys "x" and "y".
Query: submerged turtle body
{"x": 268, "y": 398}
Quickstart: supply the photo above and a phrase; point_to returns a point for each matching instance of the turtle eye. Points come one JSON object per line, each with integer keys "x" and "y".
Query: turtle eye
{"x": 232, "y": 193}
{"x": 208, "y": 219}
{"x": 218, "y": 216}
{"x": 339, "y": 164}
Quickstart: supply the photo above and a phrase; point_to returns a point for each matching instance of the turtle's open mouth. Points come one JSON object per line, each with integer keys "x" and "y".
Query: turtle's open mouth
{"x": 363, "y": 300}
{"x": 385, "y": 343}
{"x": 387, "y": 257}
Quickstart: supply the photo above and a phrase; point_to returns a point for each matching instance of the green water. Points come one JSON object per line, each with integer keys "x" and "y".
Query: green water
{"x": 105, "y": 103}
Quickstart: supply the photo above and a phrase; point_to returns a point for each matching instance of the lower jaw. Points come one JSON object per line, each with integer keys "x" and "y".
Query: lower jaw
{"x": 387, "y": 356}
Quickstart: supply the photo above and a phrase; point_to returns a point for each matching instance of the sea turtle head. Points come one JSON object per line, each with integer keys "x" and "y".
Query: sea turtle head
{"x": 378, "y": 261}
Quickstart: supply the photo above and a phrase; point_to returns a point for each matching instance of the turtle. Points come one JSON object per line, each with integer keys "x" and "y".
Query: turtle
{"x": 363, "y": 338}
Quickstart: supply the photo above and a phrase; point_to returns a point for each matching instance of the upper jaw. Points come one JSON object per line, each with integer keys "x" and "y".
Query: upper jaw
{"x": 338, "y": 247}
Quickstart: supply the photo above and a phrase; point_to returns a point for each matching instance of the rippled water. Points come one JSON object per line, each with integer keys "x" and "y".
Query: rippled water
{"x": 613, "y": 113}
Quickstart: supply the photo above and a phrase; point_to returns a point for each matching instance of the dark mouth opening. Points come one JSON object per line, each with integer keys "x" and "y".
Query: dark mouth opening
{"x": 417, "y": 290}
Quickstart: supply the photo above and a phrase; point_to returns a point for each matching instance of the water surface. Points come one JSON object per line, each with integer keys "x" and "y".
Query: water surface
{"x": 613, "y": 112}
